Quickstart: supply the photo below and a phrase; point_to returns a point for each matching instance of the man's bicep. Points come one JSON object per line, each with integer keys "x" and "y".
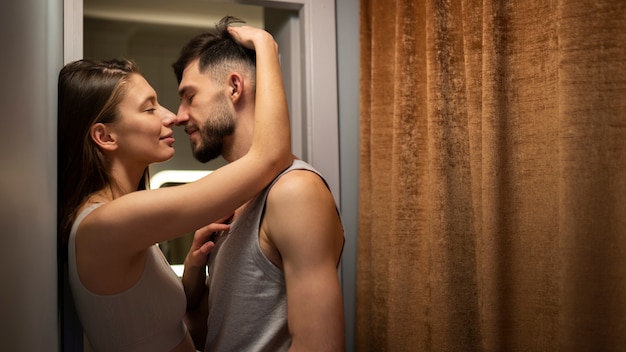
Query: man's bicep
{"x": 303, "y": 221}
{"x": 315, "y": 307}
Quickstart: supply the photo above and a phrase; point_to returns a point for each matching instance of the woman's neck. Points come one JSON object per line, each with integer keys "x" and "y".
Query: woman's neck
{"x": 125, "y": 179}
{"x": 105, "y": 195}
{"x": 122, "y": 183}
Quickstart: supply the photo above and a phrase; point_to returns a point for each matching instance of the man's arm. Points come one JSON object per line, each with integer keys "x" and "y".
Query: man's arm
{"x": 302, "y": 222}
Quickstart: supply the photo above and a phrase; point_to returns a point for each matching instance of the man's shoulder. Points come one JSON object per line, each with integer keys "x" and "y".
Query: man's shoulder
{"x": 298, "y": 183}
{"x": 301, "y": 189}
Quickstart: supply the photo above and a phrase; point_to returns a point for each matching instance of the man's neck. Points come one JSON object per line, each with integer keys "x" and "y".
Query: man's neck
{"x": 233, "y": 151}
{"x": 238, "y": 144}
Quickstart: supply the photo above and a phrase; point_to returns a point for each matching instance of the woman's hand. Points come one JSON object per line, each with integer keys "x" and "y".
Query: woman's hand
{"x": 251, "y": 37}
{"x": 203, "y": 243}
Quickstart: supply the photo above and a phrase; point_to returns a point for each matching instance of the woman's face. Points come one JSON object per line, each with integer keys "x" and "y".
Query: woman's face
{"x": 144, "y": 133}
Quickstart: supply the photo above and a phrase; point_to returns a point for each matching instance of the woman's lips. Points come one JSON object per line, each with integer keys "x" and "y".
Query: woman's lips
{"x": 168, "y": 139}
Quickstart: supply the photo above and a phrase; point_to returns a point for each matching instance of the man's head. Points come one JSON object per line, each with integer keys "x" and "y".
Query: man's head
{"x": 213, "y": 71}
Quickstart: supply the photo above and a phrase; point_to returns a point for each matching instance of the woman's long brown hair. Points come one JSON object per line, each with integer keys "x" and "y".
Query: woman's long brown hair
{"x": 89, "y": 93}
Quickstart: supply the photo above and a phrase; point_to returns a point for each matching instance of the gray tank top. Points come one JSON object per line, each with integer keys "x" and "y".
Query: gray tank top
{"x": 247, "y": 297}
{"x": 146, "y": 317}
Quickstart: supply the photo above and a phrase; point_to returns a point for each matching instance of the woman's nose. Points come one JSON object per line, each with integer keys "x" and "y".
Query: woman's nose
{"x": 167, "y": 116}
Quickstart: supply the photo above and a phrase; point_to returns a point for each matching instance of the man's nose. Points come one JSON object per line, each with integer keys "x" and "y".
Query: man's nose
{"x": 182, "y": 116}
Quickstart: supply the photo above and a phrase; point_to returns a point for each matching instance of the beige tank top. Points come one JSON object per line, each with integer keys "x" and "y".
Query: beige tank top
{"x": 146, "y": 317}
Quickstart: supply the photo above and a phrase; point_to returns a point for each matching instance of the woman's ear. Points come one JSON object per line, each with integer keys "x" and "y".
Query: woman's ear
{"x": 235, "y": 86}
{"x": 103, "y": 137}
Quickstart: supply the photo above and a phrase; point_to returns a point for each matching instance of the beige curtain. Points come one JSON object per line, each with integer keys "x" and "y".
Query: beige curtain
{"x": 493, "y": 176}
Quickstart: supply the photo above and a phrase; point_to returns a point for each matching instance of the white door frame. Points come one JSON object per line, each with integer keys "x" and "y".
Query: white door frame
{"x": 318, "y": 82}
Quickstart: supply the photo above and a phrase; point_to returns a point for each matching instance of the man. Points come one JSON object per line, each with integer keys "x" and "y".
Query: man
{"x": 273, "y": 283}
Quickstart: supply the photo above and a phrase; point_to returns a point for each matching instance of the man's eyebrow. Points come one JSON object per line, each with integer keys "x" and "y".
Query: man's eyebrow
{"x": 183, "y": 90}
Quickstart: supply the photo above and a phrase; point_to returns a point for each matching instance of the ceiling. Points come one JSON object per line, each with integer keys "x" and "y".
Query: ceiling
{"x": 187, "y": 13}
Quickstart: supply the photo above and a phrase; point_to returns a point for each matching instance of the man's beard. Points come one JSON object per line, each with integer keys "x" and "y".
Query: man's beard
{"x": 212, "y": 132}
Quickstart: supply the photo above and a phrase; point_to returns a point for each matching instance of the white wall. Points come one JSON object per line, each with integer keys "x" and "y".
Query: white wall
{"x": 31, "y": 34}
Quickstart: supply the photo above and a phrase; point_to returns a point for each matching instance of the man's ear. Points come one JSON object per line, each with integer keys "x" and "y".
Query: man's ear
{"x": 103, "y": 136}
{"x": 235, "y": 86}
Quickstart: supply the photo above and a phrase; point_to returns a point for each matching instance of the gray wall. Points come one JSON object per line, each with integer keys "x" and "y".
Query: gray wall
{"x": 31, "y": 35}
{"x": 347, "y": 12}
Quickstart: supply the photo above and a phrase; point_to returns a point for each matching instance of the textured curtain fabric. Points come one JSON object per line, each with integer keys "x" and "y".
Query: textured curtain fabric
{"x": 493, "y": 176}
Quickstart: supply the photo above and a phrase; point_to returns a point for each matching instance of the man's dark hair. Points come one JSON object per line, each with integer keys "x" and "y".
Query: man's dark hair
{"x": 214, "y": 49}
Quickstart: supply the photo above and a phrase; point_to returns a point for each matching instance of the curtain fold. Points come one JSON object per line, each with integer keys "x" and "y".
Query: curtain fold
{"x": 493, "y": 176}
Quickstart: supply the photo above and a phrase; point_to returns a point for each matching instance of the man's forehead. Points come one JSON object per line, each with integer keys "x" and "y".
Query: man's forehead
{"x": 193, "y": 80}
{"x": 190, "y": 75}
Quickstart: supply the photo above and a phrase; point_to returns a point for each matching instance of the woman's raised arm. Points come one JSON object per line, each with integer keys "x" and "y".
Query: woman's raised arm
{"x": 157, "y": 215}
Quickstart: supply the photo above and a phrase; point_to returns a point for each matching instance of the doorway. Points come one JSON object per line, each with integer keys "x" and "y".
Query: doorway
{"x": 304, "y": 30}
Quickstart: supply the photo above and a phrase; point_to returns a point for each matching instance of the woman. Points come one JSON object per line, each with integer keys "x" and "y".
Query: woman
{"x": 111, "y": 128}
